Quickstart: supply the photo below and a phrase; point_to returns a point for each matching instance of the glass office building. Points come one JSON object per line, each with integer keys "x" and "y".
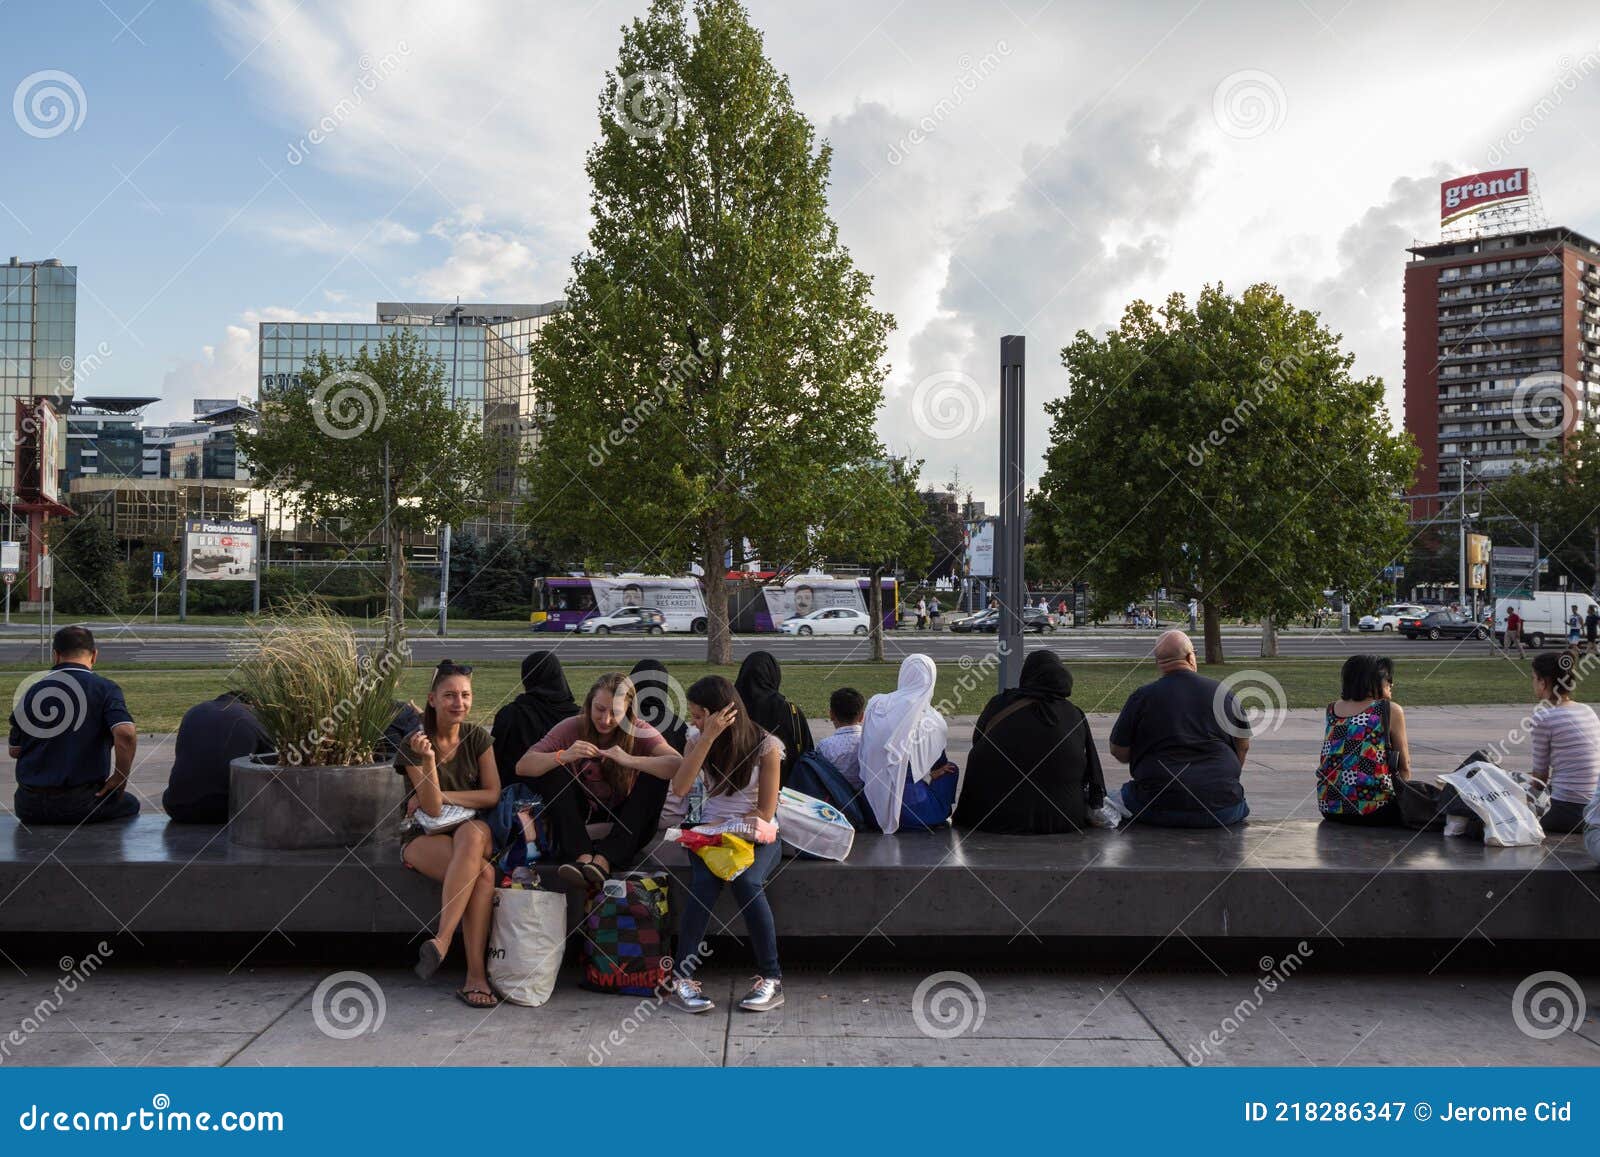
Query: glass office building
{"x": 285, "y": 346}
{"x": 484, "y": 349}
{"x": 38, "y": 326}
{"x": 105, "y": 435}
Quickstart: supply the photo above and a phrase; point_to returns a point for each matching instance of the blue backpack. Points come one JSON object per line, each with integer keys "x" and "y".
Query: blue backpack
{"x": 814, "y": 774}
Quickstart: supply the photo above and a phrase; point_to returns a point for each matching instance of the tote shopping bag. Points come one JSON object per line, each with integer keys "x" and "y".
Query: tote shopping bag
{"x": 1499, "y": 801}
{"x": 813, "y": 827}
{"x": 526, "y": 941}
{"x": 625, "y": 935}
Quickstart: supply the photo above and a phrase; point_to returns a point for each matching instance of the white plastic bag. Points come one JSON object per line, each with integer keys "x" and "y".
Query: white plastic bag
{"x": 1110, "y": 814}
{"x": 1500, "y": 802}
{"x": 450, "y": 817}
{"x": 1538, "y": 794}
{"x": 813, "y": 826}
{"x": 526, "y": 942}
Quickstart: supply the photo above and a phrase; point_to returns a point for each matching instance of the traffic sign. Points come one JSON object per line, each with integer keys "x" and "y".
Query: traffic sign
{"x": 158, "y": 564}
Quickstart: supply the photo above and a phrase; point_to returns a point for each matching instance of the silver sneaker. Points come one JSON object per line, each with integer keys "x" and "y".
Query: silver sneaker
{"x": 764, "y": 996}
{"x": 685, "y": 996}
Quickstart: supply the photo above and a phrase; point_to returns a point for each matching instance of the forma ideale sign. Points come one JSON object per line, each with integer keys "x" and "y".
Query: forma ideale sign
{"x": 219, "y": 549}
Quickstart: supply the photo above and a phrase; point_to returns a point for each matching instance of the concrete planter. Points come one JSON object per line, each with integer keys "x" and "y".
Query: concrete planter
{"x": 313, "y": 807}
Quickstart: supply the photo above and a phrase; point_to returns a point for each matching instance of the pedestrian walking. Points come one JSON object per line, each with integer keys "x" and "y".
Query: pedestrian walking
{"x": 933, "y": 612}
{"x": 1514, "y": 631}
{"x": 922, "y": 614}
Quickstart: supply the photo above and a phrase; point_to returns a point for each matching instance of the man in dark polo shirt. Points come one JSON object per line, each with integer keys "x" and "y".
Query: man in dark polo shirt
{"x": 1185, "y": 737}
{"x": 211, "y": 736}
{"x": 65, "y": 729}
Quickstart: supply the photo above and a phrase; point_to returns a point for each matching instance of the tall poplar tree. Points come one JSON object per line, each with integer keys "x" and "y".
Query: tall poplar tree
{"x": 717, "y": 372}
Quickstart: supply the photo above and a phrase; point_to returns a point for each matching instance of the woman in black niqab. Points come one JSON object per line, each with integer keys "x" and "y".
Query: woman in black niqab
{"x": 757, "y": 684}
{"x": 545, "y": 701}
{"x": 1033, "y": 768}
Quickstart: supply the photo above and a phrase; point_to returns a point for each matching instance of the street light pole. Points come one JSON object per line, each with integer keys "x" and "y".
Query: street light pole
{"x": 1008, "y": 552}
{"x": 1461, "y": 527}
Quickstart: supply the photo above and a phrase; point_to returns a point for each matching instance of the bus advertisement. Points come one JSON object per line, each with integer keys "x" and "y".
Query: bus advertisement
{"x": 561, "y": 602}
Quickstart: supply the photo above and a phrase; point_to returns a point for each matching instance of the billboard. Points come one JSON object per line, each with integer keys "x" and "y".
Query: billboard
{"x": 38, "y": 451}
{"x": 807, "y": 593}
{"x": 1464, "y": 196}
{"x": 49, "y": 453}
{"x": 670, "y": 596}
{"x": 980, "y": 549}
{"x": 218, "y": 550}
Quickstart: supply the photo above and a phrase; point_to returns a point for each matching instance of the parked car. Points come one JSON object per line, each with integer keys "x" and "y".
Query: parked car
{"x": 643, "y": 620}
{"x": 1388, "y": 618}
{"x": 1441, "y": 625}
{"x": 1033, "y": 620}
{"x": 828, "y": 621}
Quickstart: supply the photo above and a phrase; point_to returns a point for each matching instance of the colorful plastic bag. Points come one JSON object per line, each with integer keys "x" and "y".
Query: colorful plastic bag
{"x": 728, "y": 856}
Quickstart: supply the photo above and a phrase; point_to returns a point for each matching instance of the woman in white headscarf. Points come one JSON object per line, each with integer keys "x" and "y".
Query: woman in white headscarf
{"x": 909, "y": 781}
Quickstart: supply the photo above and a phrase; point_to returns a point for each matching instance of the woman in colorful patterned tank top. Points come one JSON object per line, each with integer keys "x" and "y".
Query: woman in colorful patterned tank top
{"x": 1364, "y": 748}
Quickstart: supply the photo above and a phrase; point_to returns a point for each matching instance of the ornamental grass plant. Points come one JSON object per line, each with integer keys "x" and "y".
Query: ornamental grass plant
{"x": 320, "y": 701}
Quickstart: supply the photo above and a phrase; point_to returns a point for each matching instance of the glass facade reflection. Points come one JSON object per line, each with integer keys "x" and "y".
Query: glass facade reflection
{"x": 38, "y": 325}
{"x": 487, "y": 368}
{"x": 104, "y": 444}
{"x": 484, "y": 348}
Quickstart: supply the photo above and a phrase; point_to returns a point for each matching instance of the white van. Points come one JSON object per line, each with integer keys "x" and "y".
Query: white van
{"x": 1544, "y": 616}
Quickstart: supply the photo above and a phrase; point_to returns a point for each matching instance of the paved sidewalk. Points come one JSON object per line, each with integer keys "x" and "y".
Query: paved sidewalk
{"x": 129, "y": 1014}
{"x": 1278, "y": 774}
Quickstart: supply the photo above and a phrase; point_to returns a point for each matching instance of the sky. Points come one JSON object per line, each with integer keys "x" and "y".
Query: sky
{"x": 999, "y": 167}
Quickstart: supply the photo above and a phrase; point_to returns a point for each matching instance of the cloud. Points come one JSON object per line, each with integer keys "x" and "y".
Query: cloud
{"x": 895, "y": 219}
{"x": 1083, "y": 226}
{"x": 482, "y": 103}
{"x": 224, "y": 370}
{"x": 358, "y": 238}
{"x": 286, "y": 313}
{"x": 227, "y": 368}
{"x": 484, "y": 264}
{"x": 1363, "y": 298}
{"x": 1086, "y": 169}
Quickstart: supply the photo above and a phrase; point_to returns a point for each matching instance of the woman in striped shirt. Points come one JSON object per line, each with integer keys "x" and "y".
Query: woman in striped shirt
{"x": 1566, "y": 742}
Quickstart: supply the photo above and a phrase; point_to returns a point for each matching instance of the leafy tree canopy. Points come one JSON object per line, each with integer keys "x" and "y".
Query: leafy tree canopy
{"x": 1223, "y": 451}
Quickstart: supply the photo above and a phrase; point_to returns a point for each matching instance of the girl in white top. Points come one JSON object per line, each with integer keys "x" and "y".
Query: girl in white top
{"x": 1566, "y": 742}
{"x": 738, "y": 762}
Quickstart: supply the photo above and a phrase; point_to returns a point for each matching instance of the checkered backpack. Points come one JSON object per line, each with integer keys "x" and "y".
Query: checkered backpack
{"x": 625, "y": 934}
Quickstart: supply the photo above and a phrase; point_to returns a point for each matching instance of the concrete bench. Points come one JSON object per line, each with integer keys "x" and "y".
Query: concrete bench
{"x": 1284, "y": 878}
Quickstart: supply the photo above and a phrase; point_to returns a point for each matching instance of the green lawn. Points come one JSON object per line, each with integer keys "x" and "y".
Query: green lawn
{"x": 158, "y": 697}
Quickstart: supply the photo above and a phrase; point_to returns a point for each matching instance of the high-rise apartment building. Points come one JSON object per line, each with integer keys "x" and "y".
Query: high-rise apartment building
{"x": 1502, "y": 353}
